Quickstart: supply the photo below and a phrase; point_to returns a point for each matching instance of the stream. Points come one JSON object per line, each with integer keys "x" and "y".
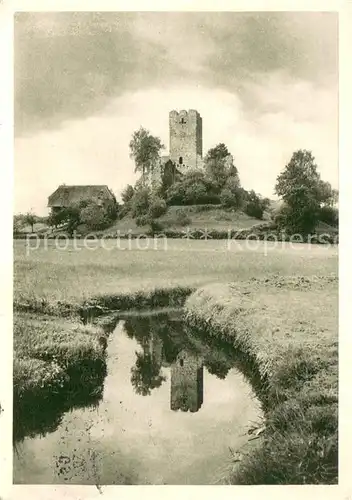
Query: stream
{"x": 174, "y": 409}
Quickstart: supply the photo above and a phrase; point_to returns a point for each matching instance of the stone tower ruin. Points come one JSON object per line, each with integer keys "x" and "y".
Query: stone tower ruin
{"x": 186, "y": 139}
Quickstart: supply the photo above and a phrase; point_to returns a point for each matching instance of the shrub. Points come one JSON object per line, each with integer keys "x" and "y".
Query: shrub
{"x": 112, "y": 211}
{"x": 232, "y": 194}
{"x": 254, "y": 210}
{"x": 157, "y": 208}
{"x": 192, "y": 189}
{"x": 156, "y": 226}
{"x": 127, "y": 194}
{"x": 143, "y": 220}
{"x": 94, "y": 216}
{"x": 293, "y": 221}
{"x": 329, "y": 215}
{"x": 140, "y": 202}
{"x": 182, "y": 219}
{"x": 255, "y": 205}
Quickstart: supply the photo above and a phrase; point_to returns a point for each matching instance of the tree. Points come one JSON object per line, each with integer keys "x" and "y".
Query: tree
{"x": 127, "y": 193}
{"x": 112, "y": 210}
{"x": 140, "y": 202}
{"x": 303, "y": 193}
{"x": 219, "y": 166}
{"x": 329, "y": 215}
{"x": 192, "y": 189}
{"x": 255, "y": 205}
{"x": 326, "y": 194}
{"x": 70, "y": 215}
{"x": 232, "y": 194}
{"x": 30, "y": 218}
{"x": 17, "y": 222}
{"x": 219, "y": 152}
{"x": 168, "y": 177}
{"x": 145, "y": 151}
{"x": 94, "y": 216}
{"x": 157, "y": 207}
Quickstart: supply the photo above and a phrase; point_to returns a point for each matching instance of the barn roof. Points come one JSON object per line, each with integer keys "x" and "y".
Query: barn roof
{"x": 67, "y": 195}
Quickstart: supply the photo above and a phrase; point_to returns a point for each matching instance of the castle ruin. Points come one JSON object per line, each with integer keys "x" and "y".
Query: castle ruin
{"x": 186, "y": 139}
{"x": 185, "y": 144}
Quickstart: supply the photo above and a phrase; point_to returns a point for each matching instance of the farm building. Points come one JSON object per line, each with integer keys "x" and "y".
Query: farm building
{"x": 66, "y": 196}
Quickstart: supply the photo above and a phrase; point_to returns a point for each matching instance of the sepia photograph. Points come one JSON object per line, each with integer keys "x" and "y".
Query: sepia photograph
{"x": 175, "y": 247}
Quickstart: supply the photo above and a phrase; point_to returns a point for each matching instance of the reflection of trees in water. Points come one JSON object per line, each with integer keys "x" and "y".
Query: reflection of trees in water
{"x": 137, "y": 327}
{"x": 162, "y": 339}
{"x": 217, "y": 364}
{"x": 146, "y": 374}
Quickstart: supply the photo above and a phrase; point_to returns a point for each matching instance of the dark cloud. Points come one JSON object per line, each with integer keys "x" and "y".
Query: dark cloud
{"x": 69, "y": 65}
{"x": 73, "y": 72}
{"x": 304, "y": 45}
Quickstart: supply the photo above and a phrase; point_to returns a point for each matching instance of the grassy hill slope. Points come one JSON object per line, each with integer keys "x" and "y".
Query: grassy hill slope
{"x": 195, "y": 217}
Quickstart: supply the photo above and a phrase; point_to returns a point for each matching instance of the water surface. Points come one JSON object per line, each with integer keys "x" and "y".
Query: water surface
{"x": 174, "y": 409}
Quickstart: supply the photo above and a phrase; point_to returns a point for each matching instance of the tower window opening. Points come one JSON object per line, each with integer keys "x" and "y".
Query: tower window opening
{"x": 180, "y": 160}
{"x": 183, "y": 120}
{"x": 181, "y": 362}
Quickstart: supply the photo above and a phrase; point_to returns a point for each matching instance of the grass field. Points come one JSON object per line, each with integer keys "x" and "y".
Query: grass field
{"x": 74, "y": 275}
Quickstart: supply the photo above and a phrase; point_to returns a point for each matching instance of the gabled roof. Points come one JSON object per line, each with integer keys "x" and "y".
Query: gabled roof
{"x": 68, "y": 195}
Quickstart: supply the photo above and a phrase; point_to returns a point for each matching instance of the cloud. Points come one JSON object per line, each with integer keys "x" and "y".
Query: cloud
{"x": 71, "y": 65}
{"x": 67, "y": 70}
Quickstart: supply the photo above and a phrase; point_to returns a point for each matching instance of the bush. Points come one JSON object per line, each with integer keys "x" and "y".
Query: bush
{"x": 157, "y": 208}
{"x": 94, "y": 216}
{"x": 127, "y": 194}
{"x": 255, "y": 205}
{"x": 143, "y": 220}
{"x": 140, "y": 202}
{"x": 254, "y": 210}
{"x": 232, "y": 194}
{"x": 192, "y": 189}
{"x": 182, "y": 219}
{"x": 293, "y": 221}
{"x": 156, "y": 226}
{"x": 329, "y": 215}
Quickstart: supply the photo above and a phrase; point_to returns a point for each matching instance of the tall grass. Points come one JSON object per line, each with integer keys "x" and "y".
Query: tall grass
{"x": 55, "y": 360}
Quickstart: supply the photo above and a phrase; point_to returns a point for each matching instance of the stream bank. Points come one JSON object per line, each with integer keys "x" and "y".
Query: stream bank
{"x": 291, "y": 356}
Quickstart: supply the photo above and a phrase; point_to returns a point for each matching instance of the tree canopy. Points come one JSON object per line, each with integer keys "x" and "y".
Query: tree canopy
{"x": 145, "y": 151}
{"x": 303, "y": 192}
{"x": 219, "y": 166}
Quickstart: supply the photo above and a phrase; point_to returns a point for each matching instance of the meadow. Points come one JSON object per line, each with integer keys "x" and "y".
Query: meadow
{"x": 126, "y": 266}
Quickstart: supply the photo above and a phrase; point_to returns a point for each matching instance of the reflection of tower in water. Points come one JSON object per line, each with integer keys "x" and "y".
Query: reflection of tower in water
{"x": 187, "y": 382}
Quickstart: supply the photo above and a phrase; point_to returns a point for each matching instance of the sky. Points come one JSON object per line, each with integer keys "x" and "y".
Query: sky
{"x": 265, "y": 84}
